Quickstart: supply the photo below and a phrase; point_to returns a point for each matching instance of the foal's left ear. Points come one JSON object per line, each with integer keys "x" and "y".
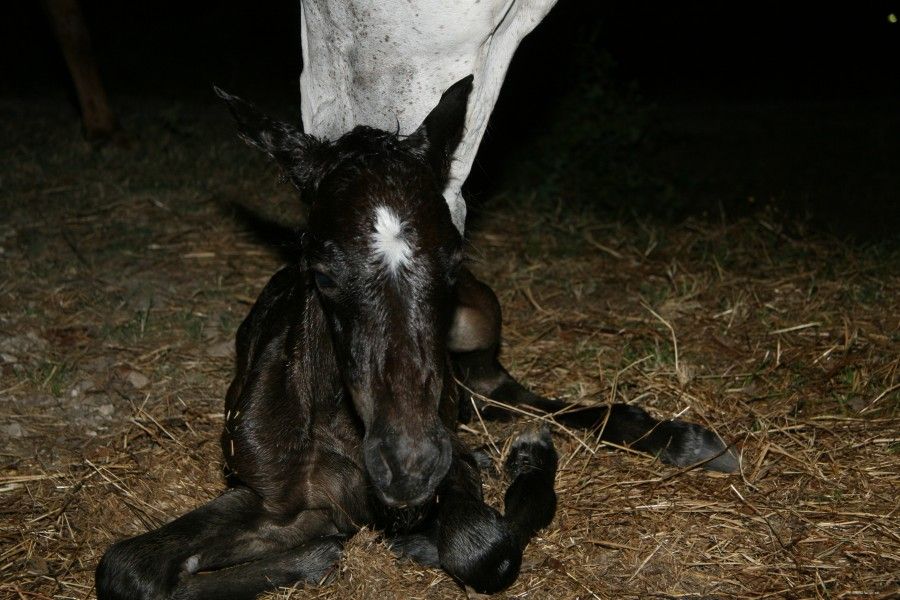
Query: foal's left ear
{"x": 296, "y": 152}
{"x": 439, "y": 134}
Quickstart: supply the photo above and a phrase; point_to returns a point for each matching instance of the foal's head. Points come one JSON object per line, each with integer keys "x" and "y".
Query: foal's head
{"x": 383, "y": 255}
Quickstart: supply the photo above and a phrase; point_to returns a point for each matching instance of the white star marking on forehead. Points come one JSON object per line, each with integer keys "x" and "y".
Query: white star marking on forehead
{"x": 388, "y": 244}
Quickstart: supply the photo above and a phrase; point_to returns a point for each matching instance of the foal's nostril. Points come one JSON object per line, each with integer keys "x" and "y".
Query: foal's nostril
{"x": 384, "y": 474}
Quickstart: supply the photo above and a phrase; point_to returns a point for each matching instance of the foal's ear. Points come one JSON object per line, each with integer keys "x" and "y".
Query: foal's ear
{"x": 441, "y": 131}
{"x": 293, "y": 150}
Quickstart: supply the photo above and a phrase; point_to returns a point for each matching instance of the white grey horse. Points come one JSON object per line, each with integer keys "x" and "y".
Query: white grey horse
{"x": 385, "y": 63}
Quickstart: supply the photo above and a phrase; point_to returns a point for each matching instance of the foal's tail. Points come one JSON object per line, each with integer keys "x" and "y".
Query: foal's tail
{"x": 673, "y": 441}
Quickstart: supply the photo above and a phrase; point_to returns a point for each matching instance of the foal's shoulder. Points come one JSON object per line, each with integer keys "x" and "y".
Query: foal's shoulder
{"x": 279, "y": 302}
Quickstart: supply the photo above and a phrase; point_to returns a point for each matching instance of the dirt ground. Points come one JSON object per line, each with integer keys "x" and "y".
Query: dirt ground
{"x": 125, "y": 272}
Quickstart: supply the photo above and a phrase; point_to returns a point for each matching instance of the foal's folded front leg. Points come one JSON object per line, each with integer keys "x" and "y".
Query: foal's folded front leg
{"x": 255, "y": 551}
{"x": 472, "y": 541}
{"x": 311, "y": 562}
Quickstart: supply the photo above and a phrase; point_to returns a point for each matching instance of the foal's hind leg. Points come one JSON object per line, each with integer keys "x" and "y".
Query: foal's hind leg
{"x": 474, "y": 343}
{"x": 233, "y": 529}
{"x": 472, "y": 541}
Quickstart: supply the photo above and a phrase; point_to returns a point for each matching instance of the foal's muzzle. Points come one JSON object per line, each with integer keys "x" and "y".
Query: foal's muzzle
{"x": 407, "y": 470}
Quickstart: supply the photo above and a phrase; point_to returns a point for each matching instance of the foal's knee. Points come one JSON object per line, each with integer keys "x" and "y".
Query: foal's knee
{"x": 111, "y": 575}
{"x": 478, "y": 547}
{"x": 127, "y": 572}
{"x": 477, "y": 318}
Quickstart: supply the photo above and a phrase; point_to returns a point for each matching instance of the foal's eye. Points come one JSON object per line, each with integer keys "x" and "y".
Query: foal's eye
{"x": 453, "y": 273}
{"x": 323, "y": 281}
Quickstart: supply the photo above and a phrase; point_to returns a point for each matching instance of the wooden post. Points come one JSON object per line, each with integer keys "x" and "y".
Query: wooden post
{"x": 72, "y": 34}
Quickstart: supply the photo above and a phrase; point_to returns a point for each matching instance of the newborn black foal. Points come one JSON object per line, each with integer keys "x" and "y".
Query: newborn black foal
{"x": 344, "y": 405}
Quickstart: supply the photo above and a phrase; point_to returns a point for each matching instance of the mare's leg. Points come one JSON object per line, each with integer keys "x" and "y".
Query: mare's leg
{"x": 472, "y": 541}
{"x": 233, "y": 529}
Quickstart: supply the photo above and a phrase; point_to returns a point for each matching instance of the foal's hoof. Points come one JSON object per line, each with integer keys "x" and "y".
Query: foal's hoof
{"x": 530, "y": 500}
{"x": 532, "y": 452}
{"x": 693, "y": 444}
{"x": 319, "y": 557}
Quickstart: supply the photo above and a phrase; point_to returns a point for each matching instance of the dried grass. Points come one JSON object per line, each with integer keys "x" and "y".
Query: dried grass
{"x": 786, "y": 342}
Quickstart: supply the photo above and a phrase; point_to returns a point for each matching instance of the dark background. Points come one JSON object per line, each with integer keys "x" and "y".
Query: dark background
{"x": 666, "y": 110}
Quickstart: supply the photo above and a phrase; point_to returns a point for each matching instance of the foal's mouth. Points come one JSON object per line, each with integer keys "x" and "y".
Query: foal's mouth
{"x": 403, "y": 503}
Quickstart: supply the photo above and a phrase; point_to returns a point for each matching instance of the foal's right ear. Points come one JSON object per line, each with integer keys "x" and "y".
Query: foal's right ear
{"x": 296, "y": 152}
{"x": 441, "y": 131}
